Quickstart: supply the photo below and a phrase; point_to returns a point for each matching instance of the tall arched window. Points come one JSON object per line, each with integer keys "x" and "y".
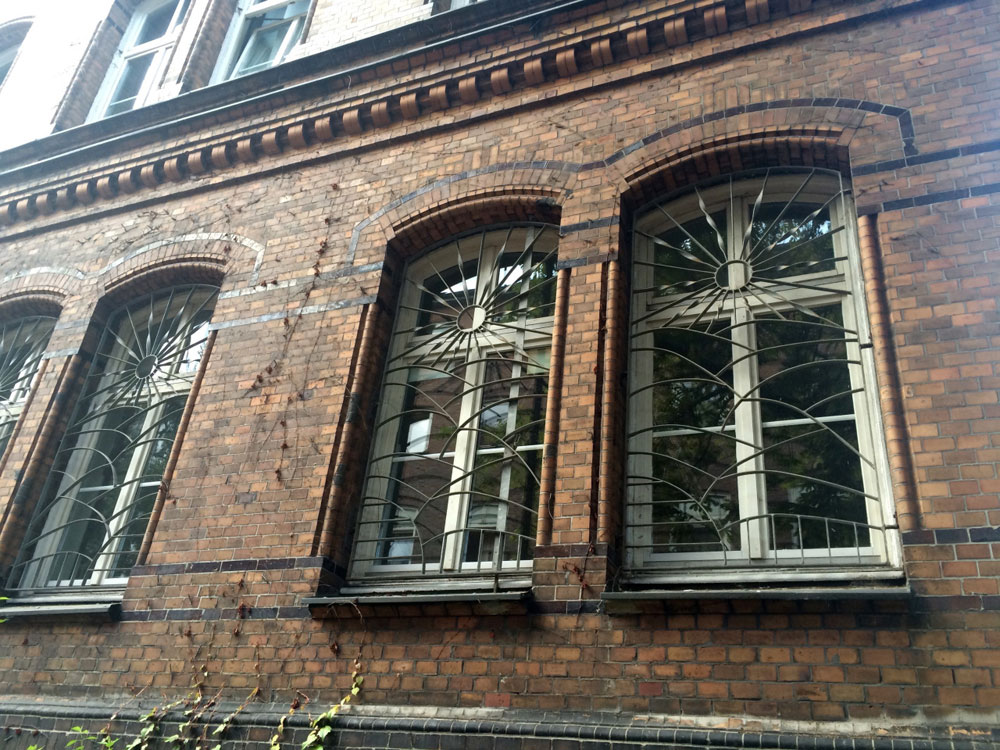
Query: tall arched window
{"x": 453, "y": 480}
{"x": 753, "y": 426}
{"x": 96, "y": 503}
{"x": 22, "y": 343}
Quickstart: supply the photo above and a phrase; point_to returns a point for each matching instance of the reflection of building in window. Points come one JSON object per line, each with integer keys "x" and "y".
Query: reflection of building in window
{"x": 440, "y": 6}
{"x": 454, "y": 477}
{"x": 261, "y": 36}
{"x": 97, "y": 500}
{"x": 10, "y": 43}
{"x": 22, "y": 343}
{"x": 141, "y": 58}
{"x": 752, "y": 438}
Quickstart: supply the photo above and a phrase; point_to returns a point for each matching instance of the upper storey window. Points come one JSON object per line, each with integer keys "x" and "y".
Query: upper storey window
{"x": 453, "y": 481}
{"x": 9, "y": 47}
{"x": 22, "y": 343}
{"x": 442, "y": 5}
{"x": 753, "y": 437}
{"x": 92, "y": 515}
{"x": 141, "y": 57}
{"x": 261, "y": 36}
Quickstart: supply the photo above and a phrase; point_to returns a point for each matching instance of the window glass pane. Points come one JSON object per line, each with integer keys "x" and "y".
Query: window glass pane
{"x": 802, "y": 358}
{"x": 262, "y": 48}
{"x": 692, "y": 381}
{"x": 156, "y": 23}
{"x": 815, "y": 494}
{"x": 791, "y": 239}
{"x": 132, "y": 78}
{"x": 686, "y": 258}
{"x": 22, "y": 343}
{"x": 694, "y": 494}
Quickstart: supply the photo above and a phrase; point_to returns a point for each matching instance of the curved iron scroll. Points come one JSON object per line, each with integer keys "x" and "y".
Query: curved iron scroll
{"x": 97, "y": 499}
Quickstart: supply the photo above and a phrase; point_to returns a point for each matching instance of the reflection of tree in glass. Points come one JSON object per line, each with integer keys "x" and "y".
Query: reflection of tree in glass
{"x": 791, "y": 239}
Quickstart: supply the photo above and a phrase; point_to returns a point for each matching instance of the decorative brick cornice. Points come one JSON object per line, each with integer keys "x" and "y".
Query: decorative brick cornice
{"x": 552, "y": 59}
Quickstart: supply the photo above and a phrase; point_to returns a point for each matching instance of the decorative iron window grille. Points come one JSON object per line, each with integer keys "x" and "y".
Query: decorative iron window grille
{"x": 22, "y": 343}
{"x": 453, "y": 481}
{"x": 753, "y": 430}
{"x": 96, "y": 502}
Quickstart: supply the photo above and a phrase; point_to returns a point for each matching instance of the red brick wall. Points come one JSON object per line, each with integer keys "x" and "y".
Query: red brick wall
{"x": 256, "y": 499}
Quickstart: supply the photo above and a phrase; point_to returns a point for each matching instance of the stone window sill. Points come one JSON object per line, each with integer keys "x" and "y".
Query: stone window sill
{"x": 79, "y": 605}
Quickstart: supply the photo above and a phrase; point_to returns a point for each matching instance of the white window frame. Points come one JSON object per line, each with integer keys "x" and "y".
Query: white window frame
{"x": 238, "y": 41}
{"x": 841, "y": 286}
{"x": 129, "y": 49}
{"x": 411, "y": 349}
{"x": 170, "y": 380}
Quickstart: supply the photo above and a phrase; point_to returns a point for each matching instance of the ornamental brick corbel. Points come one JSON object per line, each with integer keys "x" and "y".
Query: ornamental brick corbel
{"x": 298, "y": 135}
{"x": 271, "y": 145}
{"x": 637, "y": 42}
{"x": 351, "y": 121}
{"x": 107, "y": 187}
{"x": 380, "y": 115}
{"x": 675, "y": 31}
{"x": 411, "y": 107}
{"x": 716, "y": 21}
{"x": 566, "y": 63}
{"x": 601, "y": 53}
{"x": 149, "y": 176}
{"x": 757, "y": 11}
{"x": 196, "y": 164}
{"x": 500, "y": 81}
{"x": 83, "y": 193}
{"x": 468, "y": 91}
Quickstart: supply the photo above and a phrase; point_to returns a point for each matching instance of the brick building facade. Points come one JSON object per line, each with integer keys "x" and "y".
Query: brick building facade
{"x": 575, "y": 373}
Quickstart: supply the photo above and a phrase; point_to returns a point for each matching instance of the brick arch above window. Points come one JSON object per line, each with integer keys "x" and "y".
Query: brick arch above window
{"x": 517, "y": 185}
{"x": 680, "y": 163}
{"x": 204, "y": 257}
{"x": 429, "y": 227}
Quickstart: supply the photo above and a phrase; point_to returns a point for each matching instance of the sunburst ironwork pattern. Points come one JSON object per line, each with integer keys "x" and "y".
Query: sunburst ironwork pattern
{"x": 95, "y": 504}
{"x": 453, "y": 481}
{"x": 751, "y": 435}
{"x": 22, "y": 343}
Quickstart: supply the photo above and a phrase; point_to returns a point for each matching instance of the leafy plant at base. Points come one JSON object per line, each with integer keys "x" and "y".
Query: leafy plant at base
{"x": 82, "y": 737}
{"x": 220, "y": 730}
{"x": 322, "y": 725}
{"x": 150, "y": 723}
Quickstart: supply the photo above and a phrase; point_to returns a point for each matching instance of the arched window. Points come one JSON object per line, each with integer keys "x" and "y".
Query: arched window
{"x": 753, "y": 426}
{"x": 453, "y": 480}
{"x": 96, "y": 503}
{"x": 22, "y": 343}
